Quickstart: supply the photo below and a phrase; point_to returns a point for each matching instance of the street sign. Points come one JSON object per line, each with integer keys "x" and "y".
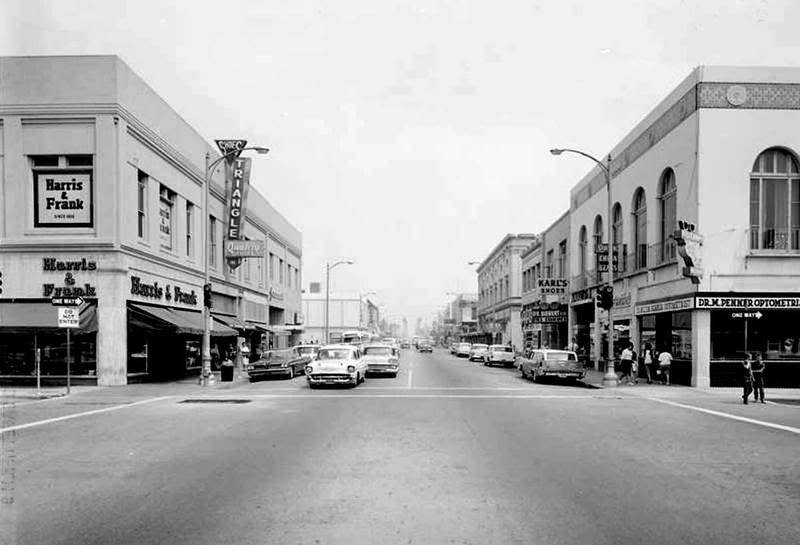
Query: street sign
{"x": 66, "y": 301}
{"x": 757, "y": 315}
{"x": 68, "y": 317}
{"x": 231, "y": 146}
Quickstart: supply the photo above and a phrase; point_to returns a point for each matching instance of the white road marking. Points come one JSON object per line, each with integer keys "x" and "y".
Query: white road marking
{"x": 79, "y": 415}
{"x": 419, "y": 396}
{"x": 410, "y": 374}
{"x": 781, "y": 427}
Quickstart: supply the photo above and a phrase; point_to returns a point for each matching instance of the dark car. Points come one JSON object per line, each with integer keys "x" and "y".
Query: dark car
{"x": 286, "y": 363}
{"x": 425, "y": 346}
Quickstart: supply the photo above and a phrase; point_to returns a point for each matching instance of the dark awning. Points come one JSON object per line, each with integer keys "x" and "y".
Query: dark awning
{"x": 31, "y": 316}
{"x": 233, "y": 322}
{"x": 182, "y": 321}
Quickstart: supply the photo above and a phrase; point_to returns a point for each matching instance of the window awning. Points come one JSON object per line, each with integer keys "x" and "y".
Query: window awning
{"x": 40, "y": 315}
{"x": 182, "y": 321}
{"x": 233, "y": 322}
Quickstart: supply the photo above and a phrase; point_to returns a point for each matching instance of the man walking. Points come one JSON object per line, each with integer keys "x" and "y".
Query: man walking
{"x": 625, "y": 364}
{"x": 664, "y": 364}
{"x": 747, "y": 370}
{"x": 757, "y": 367}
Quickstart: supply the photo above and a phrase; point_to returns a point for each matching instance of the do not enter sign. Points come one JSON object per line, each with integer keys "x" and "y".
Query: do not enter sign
{"x": 68, "y": 317}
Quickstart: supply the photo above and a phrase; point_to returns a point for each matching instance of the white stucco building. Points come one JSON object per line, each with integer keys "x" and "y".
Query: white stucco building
{"x": 720, "y": 152}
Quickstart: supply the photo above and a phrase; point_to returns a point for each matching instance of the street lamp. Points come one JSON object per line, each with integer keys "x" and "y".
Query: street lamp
{"x": 610, "y": 378}
{"x": 328, "y": 268}
{"x": 205, "y": 374}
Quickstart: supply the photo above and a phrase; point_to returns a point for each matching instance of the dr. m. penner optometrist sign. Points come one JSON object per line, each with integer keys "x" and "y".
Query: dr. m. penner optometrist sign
{"x": 62, "y": 198}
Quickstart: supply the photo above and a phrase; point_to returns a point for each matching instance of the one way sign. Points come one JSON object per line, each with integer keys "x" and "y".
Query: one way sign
{"x": 66, "y": 301}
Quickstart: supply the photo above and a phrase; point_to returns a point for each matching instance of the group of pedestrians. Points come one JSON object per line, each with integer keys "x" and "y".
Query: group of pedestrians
{"x": 655, "y": 364}
{"x": 753, "y": 378}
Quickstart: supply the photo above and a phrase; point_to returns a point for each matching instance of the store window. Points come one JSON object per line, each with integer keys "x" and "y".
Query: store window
{"x": 669, "y": 216}
{"x": 62, "y": 190}
{"x": 639, "y": 229}
{"x": 166, "y": 214}
{"x": 774, "y": 334}
{"x": 668, "y": 331}
{"x": 141, "y": 206}
{"x": 775, "y": 202}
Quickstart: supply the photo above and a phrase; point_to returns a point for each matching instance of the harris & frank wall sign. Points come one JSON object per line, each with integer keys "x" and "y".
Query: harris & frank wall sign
{"x": 62, "y": 198}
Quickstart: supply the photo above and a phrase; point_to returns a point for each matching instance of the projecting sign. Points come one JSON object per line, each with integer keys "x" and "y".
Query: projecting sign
{"x": 62, "y": 198}
{"x": 245, "y": 248}
{"x": 552, "y": 286}
{"x": 68, "y": 317}
{"x": 238, "y": 175}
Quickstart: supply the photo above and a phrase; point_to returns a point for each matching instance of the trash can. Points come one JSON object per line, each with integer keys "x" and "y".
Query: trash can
{"x": 226, "y": 371}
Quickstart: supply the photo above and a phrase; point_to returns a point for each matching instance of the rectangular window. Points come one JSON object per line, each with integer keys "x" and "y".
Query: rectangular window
{"x": 280, "y": 271}
{"x": 562, "y": 259}
{"x": 548, "y": 269}
{"x": 246, "y": 264}
{"x": 271, "y": 267}
{"x": 189, "y": 229}
{"x": 63, "y": 193}
{"x": 166, "y": 217}
{"x": 212, "y": 241}
{"x": 260, "y": 271}
{"x": 794, "y": 212}
{"x": 142, "y": 205}
{"x": 776, "y": 214}
{"x": 297, "y": 279}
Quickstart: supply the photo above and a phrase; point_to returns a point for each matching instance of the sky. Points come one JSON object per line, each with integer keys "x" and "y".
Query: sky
{"x": 411, "y": 136}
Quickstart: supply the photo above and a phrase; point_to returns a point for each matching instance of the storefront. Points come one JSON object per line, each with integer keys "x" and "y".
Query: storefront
{"x": 667, "y": 325}
{"x": 544, "y": 325}
{"x": 582, "y": 303}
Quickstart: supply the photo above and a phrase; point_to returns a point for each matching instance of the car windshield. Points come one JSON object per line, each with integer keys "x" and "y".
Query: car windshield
{"x": 305, "y": 350}
{"x": 479, "y": 346}
{"x": 501, "y": 349}
{"x": 560, "y": 356}
{"x": 335, "y": 354}
{"x": 377, "y": 351}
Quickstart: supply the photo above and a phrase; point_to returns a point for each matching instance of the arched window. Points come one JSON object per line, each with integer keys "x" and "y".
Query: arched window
{"x": 582, "y": 244}
{"x": 775, "y": 202}
{"x": 669, "y": 216}
{"x": 616, "y": 236}
{"x": 640, "y": 229}
{"x": 598, "y": 239}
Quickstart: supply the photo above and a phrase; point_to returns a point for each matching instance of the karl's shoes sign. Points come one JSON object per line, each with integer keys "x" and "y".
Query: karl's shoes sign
{"x": 75, "y": 283}
{"x": 156, "y": 290}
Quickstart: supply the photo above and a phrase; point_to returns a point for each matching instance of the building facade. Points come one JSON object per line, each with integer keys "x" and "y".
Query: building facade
{"x": 347, "y": 312}
{"x": 706, "y": 227}
{"x": 102, "y": 189}
{"x": 500, "y": 290}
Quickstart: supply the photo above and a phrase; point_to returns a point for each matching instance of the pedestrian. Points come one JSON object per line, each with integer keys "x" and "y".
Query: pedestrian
{"x": 647, "y": 361}
{"x": 757, "y": 368}
{"x": 634, "y": 365}
{"x": 747, "y": 371}
{"x": 625, "y": 364}
{"x": 573, "y": 345}
{"x": 664, "y": 364}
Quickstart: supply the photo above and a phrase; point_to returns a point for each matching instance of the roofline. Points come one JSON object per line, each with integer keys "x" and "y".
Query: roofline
{"x": 501, "y": 244}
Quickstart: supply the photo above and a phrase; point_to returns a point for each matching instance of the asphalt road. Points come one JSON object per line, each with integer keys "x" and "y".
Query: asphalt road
{"x": 447, "y": 452}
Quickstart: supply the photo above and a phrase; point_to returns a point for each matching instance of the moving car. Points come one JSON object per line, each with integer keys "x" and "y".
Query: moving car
{"x": 382, "y": 358}
{"x": 499, "y": 354}
{"x": 337, "y": 364}
{"x": 552, "y": 363}
{"x": 425, "y": 345}
{"x": 478, "y": 351}
{"x": 286, "y": 363}
{"x": 462, "y": 350}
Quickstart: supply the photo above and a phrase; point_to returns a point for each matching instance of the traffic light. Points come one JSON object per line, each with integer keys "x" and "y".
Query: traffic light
{"x": 605, "y": 297}
{"x": 207, "y": 295}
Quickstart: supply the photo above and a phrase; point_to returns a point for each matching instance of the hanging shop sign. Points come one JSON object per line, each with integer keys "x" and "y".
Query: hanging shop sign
{"x": 543, "y": 313}
{"x": 733, "y": 302}
{"x": 601, "y": 256}
{"x": 245, "y": 248}
{"x": 165, "y": 223}
{"x": 673, "y": 305}
{"x": 71, "y": 287}
{"x": 552, "y": 286}
{"x": 586, "y": 295}
{"x": 171, "y": 293}
{"x": 690, "y": 246}
{"x": 62, "y": 198}
{"x": 238, "y": 176}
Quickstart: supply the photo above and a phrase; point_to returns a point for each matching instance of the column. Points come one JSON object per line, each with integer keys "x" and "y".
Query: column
{"x": 701, "y": 348}
{"x": 112, "y": 329}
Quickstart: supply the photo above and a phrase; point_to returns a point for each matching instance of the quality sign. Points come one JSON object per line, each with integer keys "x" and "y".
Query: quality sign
{"x": 238, "y": 174}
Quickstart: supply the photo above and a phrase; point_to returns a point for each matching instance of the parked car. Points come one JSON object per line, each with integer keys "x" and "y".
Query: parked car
{"x": 552, "y": 363}
{"x": 453, "y": 348}
{"x": 478, "y": 351}
{"x": 337, "y": 364}
{"x": 499, "y": 354}
{"x": 382, "y": 358}
{"x": 405, "y": 344}
{"x": 462, "y": 350}
{"x": 287, "y": 363}
{"x": 425, "y": 345}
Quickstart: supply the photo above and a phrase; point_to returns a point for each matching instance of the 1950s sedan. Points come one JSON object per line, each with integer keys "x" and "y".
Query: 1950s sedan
{"x": 337, "y": 364}
{"x": 382, "y": 358}
{"x": 552, "y": 363}
{"x": 286, "y": 363}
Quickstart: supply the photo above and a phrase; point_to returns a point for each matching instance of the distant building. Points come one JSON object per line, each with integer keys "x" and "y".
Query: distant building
{"x": 347, "y": 312}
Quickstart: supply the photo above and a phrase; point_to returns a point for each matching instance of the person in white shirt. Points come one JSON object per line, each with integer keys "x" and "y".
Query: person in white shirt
{"x": 626, "y": 363}
{"x": 664, "y": 363}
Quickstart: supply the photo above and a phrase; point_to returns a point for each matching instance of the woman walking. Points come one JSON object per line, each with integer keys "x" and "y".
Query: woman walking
{"x": 647, "y": 361}
{"x": 747, "y": 371}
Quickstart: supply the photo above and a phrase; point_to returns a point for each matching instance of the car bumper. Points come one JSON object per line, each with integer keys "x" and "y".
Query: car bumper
{"x": 329, "y": 378}
{"x": 378, "y": 368}
{"x": 255, "y": 373}
{"x": 563, "y": 373}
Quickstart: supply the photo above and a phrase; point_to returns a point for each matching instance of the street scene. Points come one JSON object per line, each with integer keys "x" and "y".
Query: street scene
{"x": 386, "y": 272}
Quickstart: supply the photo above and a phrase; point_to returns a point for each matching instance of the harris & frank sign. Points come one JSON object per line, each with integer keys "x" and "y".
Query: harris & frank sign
{"x": 62, "y": 198}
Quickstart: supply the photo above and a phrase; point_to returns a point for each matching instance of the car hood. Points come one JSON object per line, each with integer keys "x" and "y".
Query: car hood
{"x": 329, "y": 366}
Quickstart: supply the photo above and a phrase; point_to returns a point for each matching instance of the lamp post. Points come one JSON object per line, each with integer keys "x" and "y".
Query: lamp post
{"x": 610, "y": 377}
{"x": 205, "y": 374}
{"x": 328, "y": 268}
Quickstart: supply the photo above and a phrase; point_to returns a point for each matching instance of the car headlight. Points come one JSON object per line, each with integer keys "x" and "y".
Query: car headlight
{"x": 351, "y": 368}
{"x": 309, "y": 369}
{"x": 284, "y": 364}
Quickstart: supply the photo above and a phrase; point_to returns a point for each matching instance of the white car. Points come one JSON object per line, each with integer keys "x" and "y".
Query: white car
{"x": 499, "y": 354}
{"x": 478, "y": 351}
{"x": 462, "y": 350}
{"x": 382, "y": 358}
{"x": 337, "y": 364}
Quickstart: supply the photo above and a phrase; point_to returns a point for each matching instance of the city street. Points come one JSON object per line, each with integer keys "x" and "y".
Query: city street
{"x": 447, "y": 452}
